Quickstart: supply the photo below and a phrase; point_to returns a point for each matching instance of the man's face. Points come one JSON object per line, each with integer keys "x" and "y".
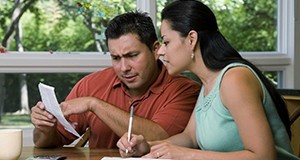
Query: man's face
{"x": 133, "y": 62}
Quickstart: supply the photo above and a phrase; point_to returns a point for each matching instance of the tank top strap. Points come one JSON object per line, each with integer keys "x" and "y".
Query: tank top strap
{"x": 218, "y": 82}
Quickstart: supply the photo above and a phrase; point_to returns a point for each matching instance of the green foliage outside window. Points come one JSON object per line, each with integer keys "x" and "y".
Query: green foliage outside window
{"x": 247, "y": 25}
{"x": 60, "y": 25}
{"x": 62, "y": 82}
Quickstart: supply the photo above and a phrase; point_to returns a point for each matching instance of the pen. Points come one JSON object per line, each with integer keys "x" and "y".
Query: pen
{"x": 130, "y": 125}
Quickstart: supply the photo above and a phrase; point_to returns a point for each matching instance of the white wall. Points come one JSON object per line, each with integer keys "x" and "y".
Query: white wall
{"x": 297, "y": 45}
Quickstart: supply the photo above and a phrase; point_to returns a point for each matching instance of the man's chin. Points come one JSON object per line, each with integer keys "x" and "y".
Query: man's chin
{"x": 131, "y": 85}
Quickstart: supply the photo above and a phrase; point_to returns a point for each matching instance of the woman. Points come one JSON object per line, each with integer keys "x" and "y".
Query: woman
{"x": 239, "y": 113}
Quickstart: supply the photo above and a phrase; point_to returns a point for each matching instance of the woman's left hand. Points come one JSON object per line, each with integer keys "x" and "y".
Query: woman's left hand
{"x": 167, "y": 150}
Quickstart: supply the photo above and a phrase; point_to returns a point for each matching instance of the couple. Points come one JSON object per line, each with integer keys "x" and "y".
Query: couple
{"x": 238, "y": 115}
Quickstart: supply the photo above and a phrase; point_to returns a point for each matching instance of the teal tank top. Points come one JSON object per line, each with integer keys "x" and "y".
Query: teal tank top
{"x": 217, "y": 131}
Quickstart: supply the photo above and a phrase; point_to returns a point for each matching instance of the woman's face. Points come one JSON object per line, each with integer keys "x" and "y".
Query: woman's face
{"x": 175, "y": 50}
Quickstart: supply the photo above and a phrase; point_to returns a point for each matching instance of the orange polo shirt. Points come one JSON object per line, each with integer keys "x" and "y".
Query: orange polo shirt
{"x": 169, "y": 102}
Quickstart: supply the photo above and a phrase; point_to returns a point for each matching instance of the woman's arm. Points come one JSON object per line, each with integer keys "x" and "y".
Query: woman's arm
{"x": 185, "y": 139}
{"x": 242, "y": 94}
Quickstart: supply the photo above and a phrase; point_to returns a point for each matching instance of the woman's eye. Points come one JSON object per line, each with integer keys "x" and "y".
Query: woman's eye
{"x": 165, "y": 43}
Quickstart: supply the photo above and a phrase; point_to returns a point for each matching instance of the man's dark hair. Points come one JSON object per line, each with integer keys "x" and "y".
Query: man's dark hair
{"x": 133, "y": 22}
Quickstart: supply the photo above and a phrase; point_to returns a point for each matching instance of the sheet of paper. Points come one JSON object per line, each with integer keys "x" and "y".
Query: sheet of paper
{"x": 49, "y": 99}
{"x": 119, "y": 158}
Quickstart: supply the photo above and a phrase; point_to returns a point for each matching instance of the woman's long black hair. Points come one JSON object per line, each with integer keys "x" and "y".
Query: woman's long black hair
{"x": 217, "y": 53}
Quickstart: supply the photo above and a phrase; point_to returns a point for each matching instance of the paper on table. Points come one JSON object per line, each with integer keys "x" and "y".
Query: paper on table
{"x": 119, "y": 158}
{"x": 52, "y": 106}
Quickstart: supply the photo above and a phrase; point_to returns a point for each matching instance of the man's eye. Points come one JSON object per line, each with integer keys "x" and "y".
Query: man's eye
{"x": 134, "y": 55}
{"x": 165, "y": 43}
{"x": 130, "y": 55}
{"x": 115, "y": 58}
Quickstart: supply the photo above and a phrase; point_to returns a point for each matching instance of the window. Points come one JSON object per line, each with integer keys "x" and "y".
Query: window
{"x": 60, "y": 26}
{"x": 21, "y": 91}
{"x": 247, "y": 25}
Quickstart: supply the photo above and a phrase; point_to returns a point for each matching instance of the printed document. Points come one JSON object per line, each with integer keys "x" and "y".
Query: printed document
{"x": 49, "y": 99}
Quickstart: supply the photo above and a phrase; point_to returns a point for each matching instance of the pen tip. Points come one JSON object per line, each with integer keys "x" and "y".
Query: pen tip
{"x": 131, "y": 111}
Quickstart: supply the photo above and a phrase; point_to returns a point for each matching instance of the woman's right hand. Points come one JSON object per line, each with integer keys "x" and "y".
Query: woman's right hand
{"x": 137, "y": 146}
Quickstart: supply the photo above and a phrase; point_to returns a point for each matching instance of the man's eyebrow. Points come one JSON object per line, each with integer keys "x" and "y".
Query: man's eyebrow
{"x": 124, "y": 54}
{"x": 162, "y": 37}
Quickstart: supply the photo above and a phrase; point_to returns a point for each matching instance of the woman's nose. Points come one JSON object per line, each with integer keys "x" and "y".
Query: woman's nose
{"x": 161, "y": 51}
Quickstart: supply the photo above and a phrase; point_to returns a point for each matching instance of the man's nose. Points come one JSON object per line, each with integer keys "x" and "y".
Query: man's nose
{"x": 125, "y": 65}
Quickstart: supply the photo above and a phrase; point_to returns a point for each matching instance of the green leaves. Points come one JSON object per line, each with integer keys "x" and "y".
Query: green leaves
{"x": 248, "y": 25}
{"x": 60, "y": 26}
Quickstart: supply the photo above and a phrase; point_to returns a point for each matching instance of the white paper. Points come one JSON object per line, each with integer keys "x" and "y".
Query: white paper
{"x": 120, "y": 158}
{"x": 52, "y": 106}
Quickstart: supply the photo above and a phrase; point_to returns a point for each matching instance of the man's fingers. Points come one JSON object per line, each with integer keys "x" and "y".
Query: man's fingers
{"x": 40, "y": 118}
{"x": 41, "y": 105}
{"x": 123, "y": 153}
{"x": 74, "y": 124}
{"x": 66, "y": 109}
{"x": 42, "y": 115}
{"x": 43, "y": 123}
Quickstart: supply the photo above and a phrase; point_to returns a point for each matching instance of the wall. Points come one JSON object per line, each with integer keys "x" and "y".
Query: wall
{"x": 297, "y": 46}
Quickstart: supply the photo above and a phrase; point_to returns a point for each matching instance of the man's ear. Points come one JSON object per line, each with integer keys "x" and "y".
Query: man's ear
{"x": 155, "y": 48}
{"x": 193, "y": 39}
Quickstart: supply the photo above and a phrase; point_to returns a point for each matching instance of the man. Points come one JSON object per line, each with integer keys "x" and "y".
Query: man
{"x": 101, "y": 100}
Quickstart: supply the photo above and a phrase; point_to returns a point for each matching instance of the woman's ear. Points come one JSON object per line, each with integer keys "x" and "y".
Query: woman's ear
{"x": 155, "y": 48}
{"x": 193, "y": 39}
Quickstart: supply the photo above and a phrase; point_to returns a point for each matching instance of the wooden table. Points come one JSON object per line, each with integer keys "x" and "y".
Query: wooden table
{"x": 83, "y": 153}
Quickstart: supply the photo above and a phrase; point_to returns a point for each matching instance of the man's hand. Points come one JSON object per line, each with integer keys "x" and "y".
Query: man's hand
{"x": 77, "y": 106}
{"x": 136, "y": 147}
{"x": 42, "y": 119}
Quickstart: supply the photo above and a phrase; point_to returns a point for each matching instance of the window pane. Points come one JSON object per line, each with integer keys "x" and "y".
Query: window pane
{"x": 19, "y": 92}
{"x": 62, "y": 26}
{"x": 275, "y": 77}
{"x": 247, "y": 25}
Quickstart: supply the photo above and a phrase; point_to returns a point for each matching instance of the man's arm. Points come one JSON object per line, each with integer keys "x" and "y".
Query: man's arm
{"x": 46, "y": 139}
{"x": 119, "y": 124}
{"x": 116, "y": 118}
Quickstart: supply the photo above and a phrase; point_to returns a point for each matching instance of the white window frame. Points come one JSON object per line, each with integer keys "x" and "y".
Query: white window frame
{"x": 284, "y": 59}
{"x": 60, "y": 62}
